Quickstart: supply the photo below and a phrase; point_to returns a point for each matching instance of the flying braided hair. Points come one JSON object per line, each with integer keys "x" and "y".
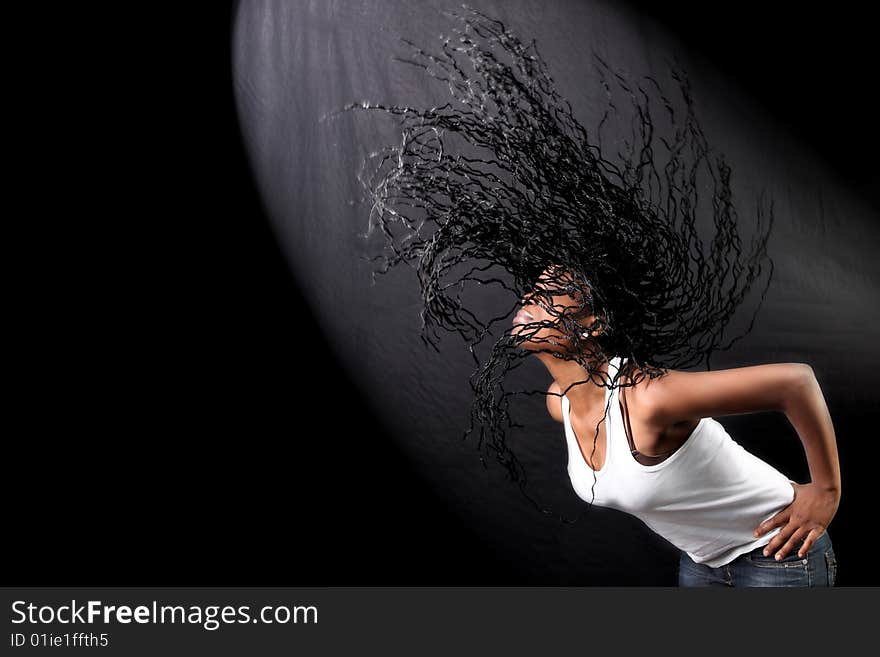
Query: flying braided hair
{"x": 503, "y": 183}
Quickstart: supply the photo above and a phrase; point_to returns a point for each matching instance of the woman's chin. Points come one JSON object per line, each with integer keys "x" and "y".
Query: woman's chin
{"x": 520, "y": 340}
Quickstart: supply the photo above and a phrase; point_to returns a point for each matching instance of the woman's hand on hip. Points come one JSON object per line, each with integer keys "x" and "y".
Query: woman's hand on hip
{"x": 808, "y": 516}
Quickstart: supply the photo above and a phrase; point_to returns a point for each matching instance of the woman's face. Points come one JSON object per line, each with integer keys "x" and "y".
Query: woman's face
{"x": 538, "y": 321}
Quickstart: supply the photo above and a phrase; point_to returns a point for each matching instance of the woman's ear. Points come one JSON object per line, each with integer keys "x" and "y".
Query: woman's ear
{"x": 598, "y": 330}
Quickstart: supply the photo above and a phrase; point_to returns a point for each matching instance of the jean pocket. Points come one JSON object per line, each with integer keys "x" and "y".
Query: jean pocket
{"x": 831, "y": 565}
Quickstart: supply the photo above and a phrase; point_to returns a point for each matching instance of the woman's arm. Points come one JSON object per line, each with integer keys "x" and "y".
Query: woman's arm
{"x": 791, "y": 388}
{"x": 684, "y": 396}
{"x": 788, "y": 387}
{"x": 808, "y": 413}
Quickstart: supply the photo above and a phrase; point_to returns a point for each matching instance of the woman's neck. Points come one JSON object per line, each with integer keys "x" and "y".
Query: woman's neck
{"x": 589, "y": 389}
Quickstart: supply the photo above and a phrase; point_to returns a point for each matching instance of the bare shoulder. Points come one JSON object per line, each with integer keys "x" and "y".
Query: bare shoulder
{"x": 554, "y": 401}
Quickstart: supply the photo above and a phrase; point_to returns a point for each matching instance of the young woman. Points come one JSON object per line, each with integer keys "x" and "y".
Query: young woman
{"x": 653, "y": 449}
{"x": 627, "y": 298}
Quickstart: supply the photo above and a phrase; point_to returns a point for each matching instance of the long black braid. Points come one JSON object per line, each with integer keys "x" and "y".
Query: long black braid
{"x": 528, "y": 188}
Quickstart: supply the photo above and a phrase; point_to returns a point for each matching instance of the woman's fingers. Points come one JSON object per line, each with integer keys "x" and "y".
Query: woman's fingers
{"x": 779, "y": 519}
{"x": 811, "y": 538}
{"x": 779, "y": 539}
{"x": 792, "y": 541}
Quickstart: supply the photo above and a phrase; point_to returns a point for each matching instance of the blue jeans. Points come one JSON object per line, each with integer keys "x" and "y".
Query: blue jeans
{"x": 817, "y": 568}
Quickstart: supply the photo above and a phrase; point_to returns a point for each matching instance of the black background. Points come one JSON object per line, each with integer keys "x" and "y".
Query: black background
{"x": 164, "y": 427}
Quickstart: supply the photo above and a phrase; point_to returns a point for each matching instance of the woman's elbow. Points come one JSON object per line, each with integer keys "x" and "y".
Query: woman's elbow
{"x": 802, "y": 381}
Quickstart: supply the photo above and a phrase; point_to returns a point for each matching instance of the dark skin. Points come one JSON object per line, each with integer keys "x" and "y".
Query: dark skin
{"x": 663, "y": 412}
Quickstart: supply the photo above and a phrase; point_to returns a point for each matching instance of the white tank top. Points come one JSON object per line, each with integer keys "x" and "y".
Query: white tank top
{"x": 706, "y": 498}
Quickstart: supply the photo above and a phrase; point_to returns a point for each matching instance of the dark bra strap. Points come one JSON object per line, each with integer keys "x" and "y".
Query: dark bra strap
{"x": 644, "y": 459}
